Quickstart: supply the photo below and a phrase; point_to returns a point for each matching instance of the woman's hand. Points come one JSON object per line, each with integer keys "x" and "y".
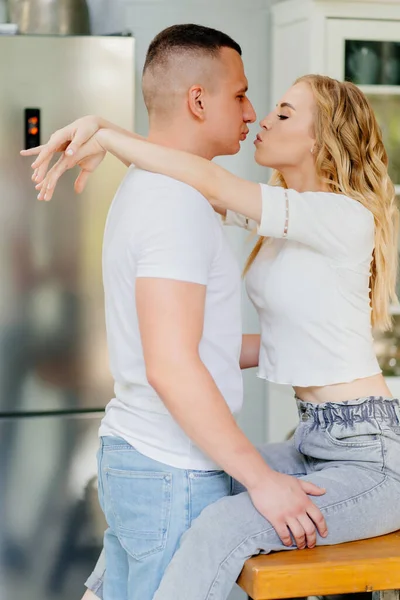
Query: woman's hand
{"x": 68, "y": 139}
{"x": 284, "y": 500}
{"x": 87, "y": 157}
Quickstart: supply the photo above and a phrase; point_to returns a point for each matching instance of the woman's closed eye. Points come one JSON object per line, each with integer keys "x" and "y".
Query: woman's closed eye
{"x": 282, "y": 117}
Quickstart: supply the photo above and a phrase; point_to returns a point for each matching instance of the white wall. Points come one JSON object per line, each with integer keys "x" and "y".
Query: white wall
{"x": 250, "y": 27}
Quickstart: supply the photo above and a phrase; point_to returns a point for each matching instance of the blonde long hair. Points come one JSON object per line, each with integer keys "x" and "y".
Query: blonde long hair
{"x": 350, "y": 159}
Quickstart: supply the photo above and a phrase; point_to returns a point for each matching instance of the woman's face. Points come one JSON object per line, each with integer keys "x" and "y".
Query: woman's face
{"x": 286, "y": 138}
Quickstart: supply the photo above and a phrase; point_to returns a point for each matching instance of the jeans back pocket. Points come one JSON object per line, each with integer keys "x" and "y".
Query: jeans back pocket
{"x": 140, "y": 504}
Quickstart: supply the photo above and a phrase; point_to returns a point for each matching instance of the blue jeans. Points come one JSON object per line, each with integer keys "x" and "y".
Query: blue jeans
{"x": 351, "y": 449}
{"x": 148, "y": 506}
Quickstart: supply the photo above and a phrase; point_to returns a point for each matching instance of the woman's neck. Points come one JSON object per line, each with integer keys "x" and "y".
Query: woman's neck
{"x": 303, "y": 181}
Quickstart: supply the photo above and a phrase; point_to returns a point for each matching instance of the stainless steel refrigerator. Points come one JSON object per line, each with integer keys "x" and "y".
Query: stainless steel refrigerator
{"x": 54, "y": 376}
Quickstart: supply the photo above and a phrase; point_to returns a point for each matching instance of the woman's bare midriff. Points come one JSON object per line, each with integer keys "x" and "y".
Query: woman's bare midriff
{"x": 359, "y": 388}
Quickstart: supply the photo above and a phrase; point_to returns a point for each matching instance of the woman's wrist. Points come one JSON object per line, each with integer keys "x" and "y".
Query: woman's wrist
{"x": 103, "y": 138}
{"x": 104, "y": 124}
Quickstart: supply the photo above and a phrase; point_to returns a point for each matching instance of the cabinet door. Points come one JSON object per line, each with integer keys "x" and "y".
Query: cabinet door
{"x": 367, "y": 52}
{"x": 372, "y": 59}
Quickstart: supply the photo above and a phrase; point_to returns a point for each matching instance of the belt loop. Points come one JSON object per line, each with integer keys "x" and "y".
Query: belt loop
{"x": 397, "y": 410}
{"x": 321, "y": 417}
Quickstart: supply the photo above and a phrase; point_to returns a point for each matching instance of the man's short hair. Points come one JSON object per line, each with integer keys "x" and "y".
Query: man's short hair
{"x": 179, "y": 56}
{"x": 189, "y": 37}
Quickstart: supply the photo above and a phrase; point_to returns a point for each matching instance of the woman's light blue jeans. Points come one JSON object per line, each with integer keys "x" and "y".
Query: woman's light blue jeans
{"x": 148, "y": 506}
{"x": 352, "y": 449}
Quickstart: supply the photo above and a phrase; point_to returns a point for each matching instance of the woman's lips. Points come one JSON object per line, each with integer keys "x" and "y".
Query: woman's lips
{"x": 258, "y": 139}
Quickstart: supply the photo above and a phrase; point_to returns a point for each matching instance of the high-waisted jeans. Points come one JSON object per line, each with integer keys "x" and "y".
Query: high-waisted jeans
{"x": 351, "y": 449}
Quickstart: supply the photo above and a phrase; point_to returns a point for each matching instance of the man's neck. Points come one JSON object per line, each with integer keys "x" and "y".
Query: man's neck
{"x": 180, "y": 139}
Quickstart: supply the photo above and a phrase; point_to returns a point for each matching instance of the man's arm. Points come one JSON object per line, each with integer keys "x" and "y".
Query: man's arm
{"x": 171, "y": 316}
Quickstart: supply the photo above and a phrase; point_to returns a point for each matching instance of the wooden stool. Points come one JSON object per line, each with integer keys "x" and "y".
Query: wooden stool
{"x": 367, "y": 566}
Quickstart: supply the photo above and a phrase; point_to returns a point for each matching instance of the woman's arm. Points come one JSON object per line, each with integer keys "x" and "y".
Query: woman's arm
{"x": 72, "y": 137}
{"x": 223, "y": 189}
{"x": 250, "y": 351}
{"x": 129, "y": 134}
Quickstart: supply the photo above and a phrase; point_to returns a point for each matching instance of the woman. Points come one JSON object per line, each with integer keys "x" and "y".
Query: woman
{"x": 321, "y": 274}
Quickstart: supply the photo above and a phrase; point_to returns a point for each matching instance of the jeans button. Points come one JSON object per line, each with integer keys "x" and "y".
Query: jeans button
{"x": 304, "y": 417}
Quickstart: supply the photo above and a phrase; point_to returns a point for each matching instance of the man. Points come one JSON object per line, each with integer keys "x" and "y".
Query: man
{"x": 172, "y": 290}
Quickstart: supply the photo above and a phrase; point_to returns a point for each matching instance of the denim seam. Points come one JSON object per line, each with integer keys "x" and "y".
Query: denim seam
{"x": 188, "y": 503}
{"x": 206, "y": 474}
{"x": 383, "y": 448}
{"x": 119, "y": 447}
{"x": 167, "y": 508}
{"x": 189, "y": 485}
{"x": 354, "y": 498}
{"x": 210, "y": 593}
{"x": 129, "y": 474}
{"x": 100, "y": 483}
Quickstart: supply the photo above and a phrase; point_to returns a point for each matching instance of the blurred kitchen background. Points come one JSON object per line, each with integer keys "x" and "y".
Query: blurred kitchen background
{"x": 61, "y": 59}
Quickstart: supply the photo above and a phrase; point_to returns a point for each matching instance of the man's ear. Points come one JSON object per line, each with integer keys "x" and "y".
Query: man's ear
{"x": 196, "y": 101}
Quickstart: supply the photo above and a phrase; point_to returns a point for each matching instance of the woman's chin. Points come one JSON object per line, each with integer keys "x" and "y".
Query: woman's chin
{"x": 263, "y": 160}
{"x": 258, "y": 157}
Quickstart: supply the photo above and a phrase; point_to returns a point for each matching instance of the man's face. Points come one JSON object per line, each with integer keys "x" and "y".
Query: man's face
{"x": 228, "y": 110}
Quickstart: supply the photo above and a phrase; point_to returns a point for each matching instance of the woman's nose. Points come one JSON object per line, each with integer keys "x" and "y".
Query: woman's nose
{"x": 265, "y": 123}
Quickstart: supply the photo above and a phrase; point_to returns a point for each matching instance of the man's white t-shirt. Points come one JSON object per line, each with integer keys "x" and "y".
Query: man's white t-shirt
{"x": 159, "y": 227}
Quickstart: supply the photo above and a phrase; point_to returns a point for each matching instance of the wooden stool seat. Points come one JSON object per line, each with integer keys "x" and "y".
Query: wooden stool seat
{"x": 367, "y": 565}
